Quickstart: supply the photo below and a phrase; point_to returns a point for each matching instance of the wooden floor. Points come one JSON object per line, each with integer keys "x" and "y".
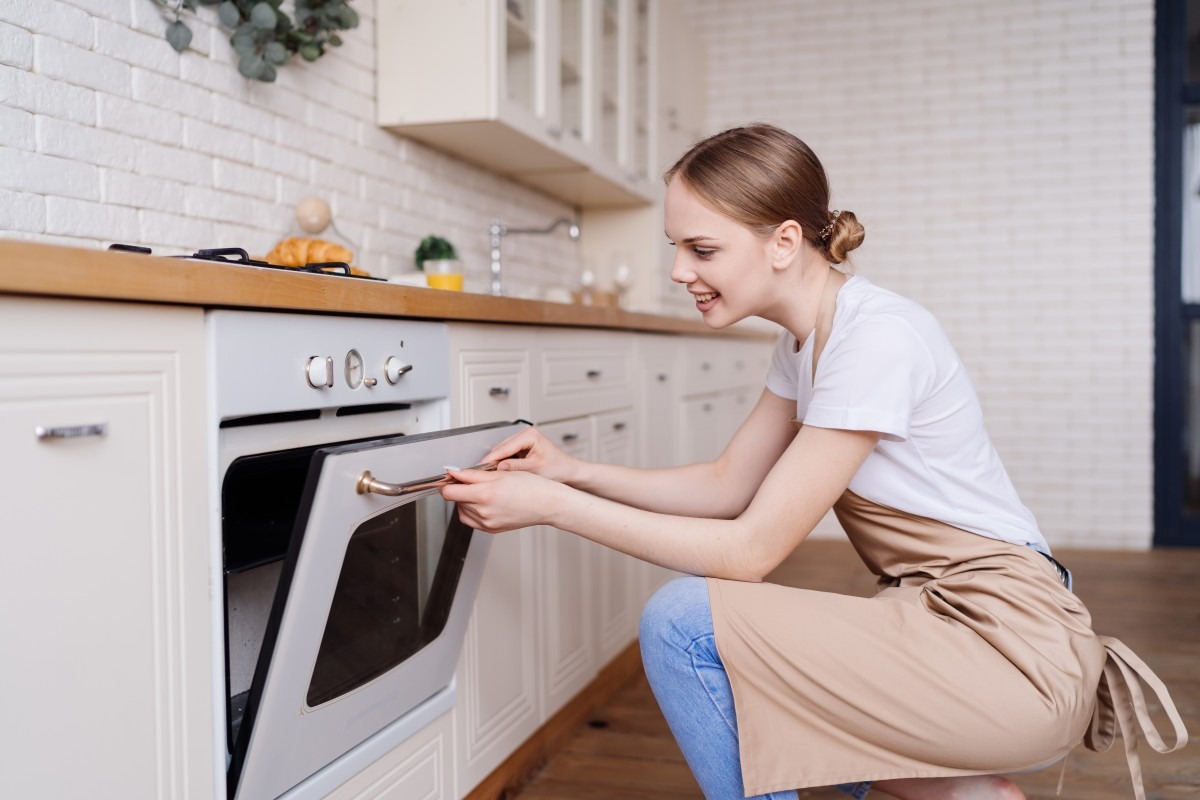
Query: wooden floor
{"x": 1149, "y": 600}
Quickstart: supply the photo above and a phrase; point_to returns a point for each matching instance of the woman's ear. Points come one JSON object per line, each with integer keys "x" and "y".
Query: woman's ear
{"x": 786, "y": 242}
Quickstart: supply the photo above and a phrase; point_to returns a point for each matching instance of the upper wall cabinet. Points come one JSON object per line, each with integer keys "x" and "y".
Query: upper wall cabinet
{"x": 555, "y": 94}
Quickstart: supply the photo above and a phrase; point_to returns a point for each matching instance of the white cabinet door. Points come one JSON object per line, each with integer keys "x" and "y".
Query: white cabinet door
{"x": 554, "y": 93}
{"x": 498, "y": 673}
{"x": 568, "y": 645}
{"x": 105, "y": 573}
{"x": 658, "y": 377}
{"x": 617, "y": 576}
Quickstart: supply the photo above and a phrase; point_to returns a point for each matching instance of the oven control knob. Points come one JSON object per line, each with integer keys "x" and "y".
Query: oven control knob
{"x": 394, "y": 369}
{"x": 319, "y": 372}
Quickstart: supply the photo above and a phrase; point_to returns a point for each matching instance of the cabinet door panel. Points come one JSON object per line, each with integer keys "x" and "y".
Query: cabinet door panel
{"x": 498, "y": 674}
{"x": 569, "y": 637}
{"x": 105, "y": 573}
{"x": 617, "y": 586}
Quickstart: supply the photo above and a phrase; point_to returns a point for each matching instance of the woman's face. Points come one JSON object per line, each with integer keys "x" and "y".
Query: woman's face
{"x": 724, "y": 265}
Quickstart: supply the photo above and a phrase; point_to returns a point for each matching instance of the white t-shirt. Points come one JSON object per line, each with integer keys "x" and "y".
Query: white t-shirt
{"x": 888, "y": 367}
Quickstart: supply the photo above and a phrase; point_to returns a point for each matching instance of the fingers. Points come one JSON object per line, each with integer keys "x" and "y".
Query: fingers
{"x": 513, "y": 445}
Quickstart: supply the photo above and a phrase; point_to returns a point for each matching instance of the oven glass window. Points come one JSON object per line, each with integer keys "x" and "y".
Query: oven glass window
{"x": 393, "y": 596}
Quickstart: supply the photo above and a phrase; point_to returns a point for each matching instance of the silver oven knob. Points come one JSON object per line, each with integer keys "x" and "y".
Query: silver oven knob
{"x": 394, "y": 368}
{"x": 319, "y": 372}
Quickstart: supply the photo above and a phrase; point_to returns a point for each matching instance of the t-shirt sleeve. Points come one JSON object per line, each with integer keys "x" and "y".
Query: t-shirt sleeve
{"x": 782, "y": 378}
{"x": 872, "y": 379}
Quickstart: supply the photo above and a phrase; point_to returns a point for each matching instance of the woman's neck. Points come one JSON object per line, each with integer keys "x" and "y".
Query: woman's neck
{"x": 810, "y": 299}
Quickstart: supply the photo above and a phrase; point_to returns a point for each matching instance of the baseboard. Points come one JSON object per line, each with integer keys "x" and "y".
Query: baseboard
{"x": 546, "y": 740}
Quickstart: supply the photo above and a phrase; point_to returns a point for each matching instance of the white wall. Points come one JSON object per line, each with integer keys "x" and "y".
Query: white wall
{"x": 1000, "y": 156}
{"x": 106, "y": 134}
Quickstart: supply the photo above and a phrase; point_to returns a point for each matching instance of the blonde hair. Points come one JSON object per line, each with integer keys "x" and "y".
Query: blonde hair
{"x": 761, "y": 176}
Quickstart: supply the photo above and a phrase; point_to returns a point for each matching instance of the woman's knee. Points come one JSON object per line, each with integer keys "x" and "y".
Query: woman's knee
{"x": 678, "y": 613}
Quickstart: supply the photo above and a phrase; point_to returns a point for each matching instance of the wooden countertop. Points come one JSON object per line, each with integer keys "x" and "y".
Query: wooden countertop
{"x": 51, "y": 271}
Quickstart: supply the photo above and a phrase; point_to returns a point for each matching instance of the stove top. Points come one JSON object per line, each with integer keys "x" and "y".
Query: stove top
{"x": 238, "y": 256}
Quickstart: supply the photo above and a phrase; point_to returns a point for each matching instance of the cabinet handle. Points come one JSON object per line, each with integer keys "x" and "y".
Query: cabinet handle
{"x": 706, "y": 407}
{"x": 71, "y": 431}
{"x": 740, "y": 364}
{"x": 570, "y": 437}
{"x": 662, "y": 377}
{"x": 618, "y": 426}
{"x": 498, "y": 391}
{"x": 594, "y": 373}
{"x": 705, "y": 366}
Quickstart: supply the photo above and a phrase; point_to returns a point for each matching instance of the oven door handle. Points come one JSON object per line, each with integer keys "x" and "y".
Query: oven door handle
{"x": 369, "y": 483}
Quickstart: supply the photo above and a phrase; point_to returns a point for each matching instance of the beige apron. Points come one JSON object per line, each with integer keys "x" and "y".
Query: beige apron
{"x": 972, "y": 659}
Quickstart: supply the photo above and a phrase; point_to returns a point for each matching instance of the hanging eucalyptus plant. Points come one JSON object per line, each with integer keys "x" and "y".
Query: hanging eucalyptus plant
{"x": 264, "y": 35}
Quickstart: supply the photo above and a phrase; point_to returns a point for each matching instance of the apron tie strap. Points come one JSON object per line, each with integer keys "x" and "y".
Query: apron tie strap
{"x": 1119, "y": 698}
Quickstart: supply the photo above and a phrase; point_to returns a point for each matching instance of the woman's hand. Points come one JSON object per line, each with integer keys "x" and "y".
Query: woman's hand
{"x": 530, "y": 451}
{"x": 501, "y": 501}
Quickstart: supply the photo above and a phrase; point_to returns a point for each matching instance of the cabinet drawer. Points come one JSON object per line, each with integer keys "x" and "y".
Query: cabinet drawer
{"x": 495, "y": 386}
{"x": 713, "y": 365}
{"x": 577, "y": 381}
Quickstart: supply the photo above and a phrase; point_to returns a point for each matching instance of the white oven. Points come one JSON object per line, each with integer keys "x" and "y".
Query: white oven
{"x": 345, "y": 580}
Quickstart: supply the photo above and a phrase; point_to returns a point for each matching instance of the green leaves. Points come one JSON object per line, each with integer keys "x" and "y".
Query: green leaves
{"x": 264, "y": 35}
{"x": 179, "y": 36}
{"x": 262, "y": 16}
{"x": 433, "y": 248}
{"x": 229, "y": 15}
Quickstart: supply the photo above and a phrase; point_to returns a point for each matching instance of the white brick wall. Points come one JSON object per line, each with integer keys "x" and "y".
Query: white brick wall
{"x": 107, "y": 134}
{"x": 1000, "y": 156}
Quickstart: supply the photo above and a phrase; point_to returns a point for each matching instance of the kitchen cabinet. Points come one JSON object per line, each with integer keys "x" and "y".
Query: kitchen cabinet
{"x": 554, "y": 608}
{"x": 498, "y": 675}
{"x": 553, "y": 93}
{"x": 633, "y": 236}
{"x": 568, "y": 651}
{"x": 107, "y": 627}
{"x": 657, "y": 367}
{"x": 617, "y": 576}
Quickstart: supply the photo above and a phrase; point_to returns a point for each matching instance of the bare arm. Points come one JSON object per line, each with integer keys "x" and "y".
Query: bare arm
{"x": 798, "y": 490}
{"x": 718, "y": 489}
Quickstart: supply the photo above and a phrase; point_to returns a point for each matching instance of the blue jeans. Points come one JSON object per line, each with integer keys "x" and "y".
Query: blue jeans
{"x": 689, "y": 681}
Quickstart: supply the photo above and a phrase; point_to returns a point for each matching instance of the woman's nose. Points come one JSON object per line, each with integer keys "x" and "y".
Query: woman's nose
{"x": 680, "y": 271}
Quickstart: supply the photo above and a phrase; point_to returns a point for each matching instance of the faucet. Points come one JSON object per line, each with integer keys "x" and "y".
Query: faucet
{"x": 497, "y": 231}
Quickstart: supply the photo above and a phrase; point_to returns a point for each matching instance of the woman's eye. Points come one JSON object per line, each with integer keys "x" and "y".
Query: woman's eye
{"x": 702, "y": 253}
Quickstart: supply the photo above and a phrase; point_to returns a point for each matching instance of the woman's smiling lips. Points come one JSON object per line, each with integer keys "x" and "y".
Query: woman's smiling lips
{"x": 705, "y": 300}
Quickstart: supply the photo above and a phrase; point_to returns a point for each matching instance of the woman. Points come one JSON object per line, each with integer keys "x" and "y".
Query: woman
{"x": 974, "y": 658}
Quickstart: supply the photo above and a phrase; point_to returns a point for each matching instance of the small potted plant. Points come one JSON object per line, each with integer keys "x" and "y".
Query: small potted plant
{"x": 437, "y": 258}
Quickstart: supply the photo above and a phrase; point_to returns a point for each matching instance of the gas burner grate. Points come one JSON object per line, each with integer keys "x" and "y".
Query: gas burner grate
{"x": 237, "y": 255}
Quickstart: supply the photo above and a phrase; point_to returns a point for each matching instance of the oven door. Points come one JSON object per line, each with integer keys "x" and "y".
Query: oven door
{"x": 370, "y": 610}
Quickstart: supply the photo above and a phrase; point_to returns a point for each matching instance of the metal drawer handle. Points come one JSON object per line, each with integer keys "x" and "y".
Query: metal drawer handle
{"x": 71, "y": 431}
{"x": 570, "y": 437}
{"x": 369, "y": 483}
{"x": 705, "y": 366}
{"x": 662, "y": 377}
{"x": 498, "y": 391}
{"x": 594, "y": 373}
{"x": 618, "y": 426}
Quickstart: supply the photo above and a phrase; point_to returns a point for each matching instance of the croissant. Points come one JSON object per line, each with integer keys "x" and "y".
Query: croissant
{"x": 297, "y": 251}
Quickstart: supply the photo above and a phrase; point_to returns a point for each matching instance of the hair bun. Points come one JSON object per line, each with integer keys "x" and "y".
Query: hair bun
{"x": 845, "y": 234}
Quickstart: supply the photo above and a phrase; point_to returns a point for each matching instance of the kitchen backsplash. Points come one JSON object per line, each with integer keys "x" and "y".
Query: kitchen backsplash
{"x": 107, "y": 134}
